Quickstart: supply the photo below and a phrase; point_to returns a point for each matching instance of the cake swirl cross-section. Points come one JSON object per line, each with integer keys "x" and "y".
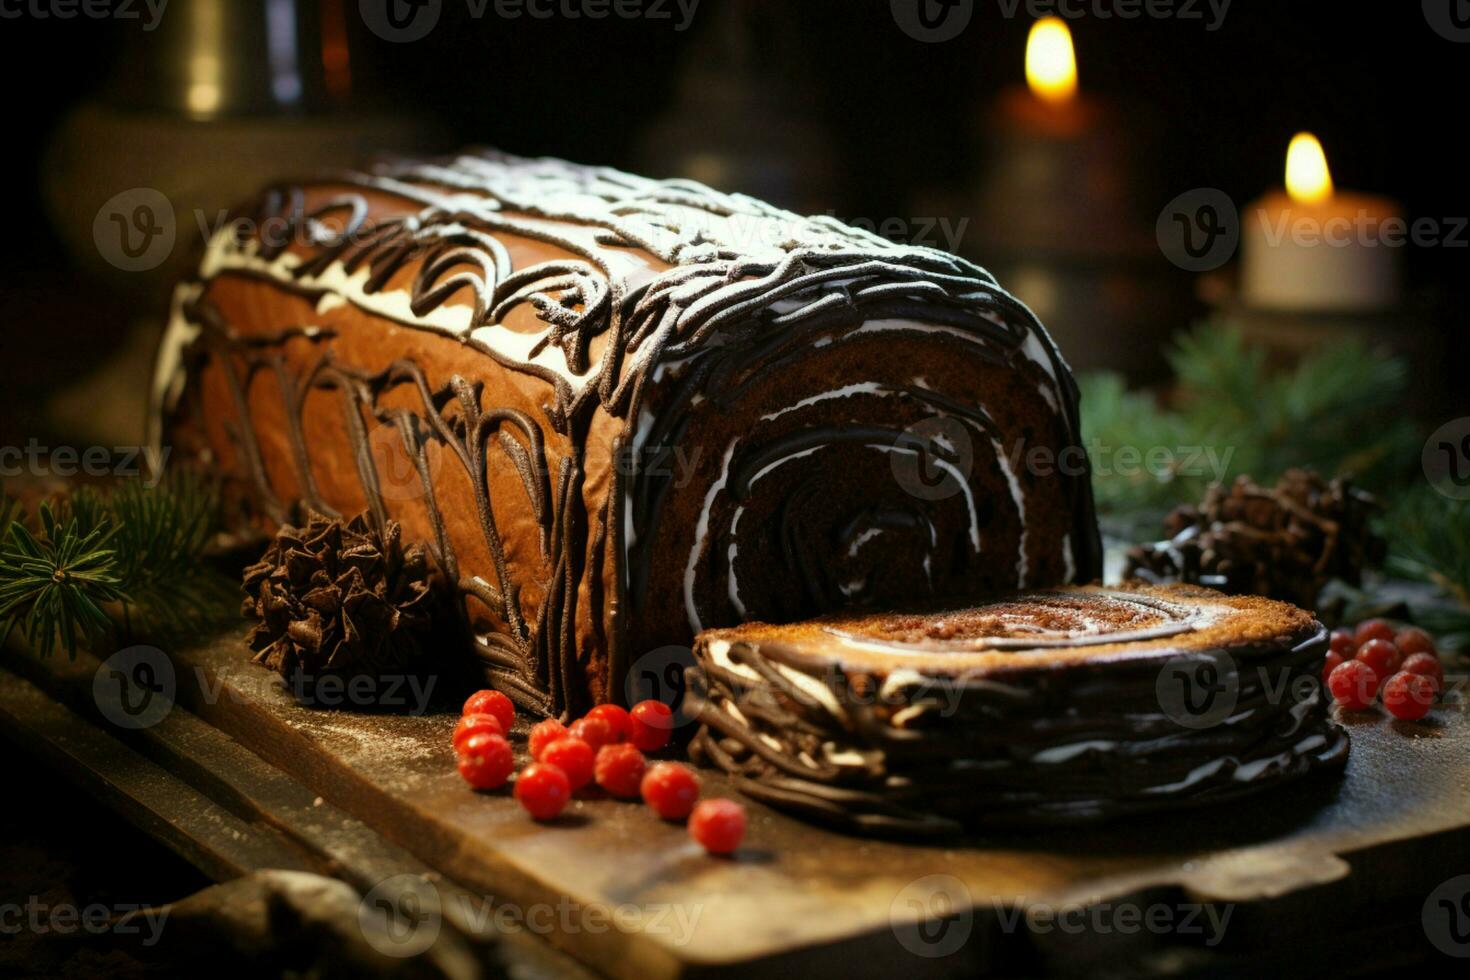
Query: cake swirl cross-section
{"x": 622, "y": 410}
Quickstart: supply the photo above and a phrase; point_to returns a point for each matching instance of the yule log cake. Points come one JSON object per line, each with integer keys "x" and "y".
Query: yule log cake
{"x": 1050, "y": 707}
{"x": 620, "y": 410}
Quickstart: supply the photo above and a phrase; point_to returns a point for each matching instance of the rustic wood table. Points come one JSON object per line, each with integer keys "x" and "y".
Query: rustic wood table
{"x": 224, "y": 766}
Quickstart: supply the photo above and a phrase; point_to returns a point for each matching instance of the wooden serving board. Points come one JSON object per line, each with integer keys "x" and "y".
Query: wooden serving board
{"x": 643, "y": 901}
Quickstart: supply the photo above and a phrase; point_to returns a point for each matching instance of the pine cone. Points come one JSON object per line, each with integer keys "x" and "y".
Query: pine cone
{"x": 1286, "y": 543}
{"x": 341, "y": 598}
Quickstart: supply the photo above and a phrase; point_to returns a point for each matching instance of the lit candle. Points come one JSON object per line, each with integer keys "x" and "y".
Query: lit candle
{"x": 1058, "y": 160}
{"x": 1061, "y": 215}
{"x": 1312, "y": 248}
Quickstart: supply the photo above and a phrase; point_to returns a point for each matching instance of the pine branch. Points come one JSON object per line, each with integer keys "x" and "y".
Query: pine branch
{"x": 9, "y": 512}
{"x": 1427, "y": 533}
{"x": 130, "y": 561}
{"x": 1332, "y": 412}
{"x": 161, "y": 535}
{"x": 55, "y": 585}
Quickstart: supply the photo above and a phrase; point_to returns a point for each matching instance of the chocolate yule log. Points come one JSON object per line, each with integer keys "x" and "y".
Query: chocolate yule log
{"x": 620, "y": 411}
{"x": 1049, "y": 707}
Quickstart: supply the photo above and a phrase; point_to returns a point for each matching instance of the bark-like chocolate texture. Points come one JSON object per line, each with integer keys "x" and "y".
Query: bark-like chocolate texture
{"x": 1064, "y": 706}
{"x": 622, "y": 410}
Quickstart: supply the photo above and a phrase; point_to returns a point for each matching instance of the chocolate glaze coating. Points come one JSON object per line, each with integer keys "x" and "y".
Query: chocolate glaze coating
{"x": 622, "y": 410}
{"x": 1060, "y": 707}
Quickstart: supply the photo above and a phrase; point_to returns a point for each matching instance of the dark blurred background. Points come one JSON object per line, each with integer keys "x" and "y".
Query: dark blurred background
{"x": 866, "y": 121}
{"x": 821, "y": 105}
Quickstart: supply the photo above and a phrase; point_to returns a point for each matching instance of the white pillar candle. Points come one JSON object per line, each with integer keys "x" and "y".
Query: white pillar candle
{"x": 1311, "y": 248}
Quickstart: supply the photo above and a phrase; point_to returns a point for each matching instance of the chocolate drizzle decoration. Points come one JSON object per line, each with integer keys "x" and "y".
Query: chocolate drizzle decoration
{"x": 890, "y": 739}
{"x": 617, "y": 320}
{"x": 341, "y": 598}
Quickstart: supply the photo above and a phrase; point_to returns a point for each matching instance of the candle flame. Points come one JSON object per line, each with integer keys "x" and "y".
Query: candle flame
{"x": 1051, "y": 63}
{"x": 1308, "y": 181}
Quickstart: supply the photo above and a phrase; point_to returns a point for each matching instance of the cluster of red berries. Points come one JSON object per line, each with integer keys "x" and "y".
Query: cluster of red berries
{"x": 1372, "y": 661}
{"x": 604, "y": 747}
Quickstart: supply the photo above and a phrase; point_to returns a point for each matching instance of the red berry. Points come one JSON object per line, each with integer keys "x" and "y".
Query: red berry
{"x": 1382, "y": 656}
{"x": 1425, "y": 665}
{"x": 1408, "y": 696}
{"x": 485, "y": 760}
{"x": 543, "y": 733}
{"x": 473, "y": 725}
{"x": 596, "y": 732}
{"x": 572, "y": 756}
{"x": 1353, "y": 685}
{"x": 650, "y": 724}
{"x": 1411, "y": 640}
{"x": 616, "y": 718}
{"x": 1329, "y": 664}
{"x": 1373, "y": 629}
{"x": 1343, "y": 644}
{"x": 543, "y": 790}
{"x": 718, "y": 825}
{"x": 492, "y": 703}
{"x": 620, "y": 769}
{"x": 670, "y": 789}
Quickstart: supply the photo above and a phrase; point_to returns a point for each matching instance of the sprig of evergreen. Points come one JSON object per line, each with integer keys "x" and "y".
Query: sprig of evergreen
{"x": 55, "y": 585}
{"x": 130, "y": 560}
{"x": 1334, "y": 411}
{"x": 1429, "y": 533}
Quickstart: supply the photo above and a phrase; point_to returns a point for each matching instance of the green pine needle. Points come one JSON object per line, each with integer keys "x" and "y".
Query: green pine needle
{"x": 130, "y": 561}
{"x": 9, "y": 511}
{"x": 1334, "y": 411}
{"x": 161, "y": 534}
{"x": 1428, "y": 532}
{"x": 54, "y": 585}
